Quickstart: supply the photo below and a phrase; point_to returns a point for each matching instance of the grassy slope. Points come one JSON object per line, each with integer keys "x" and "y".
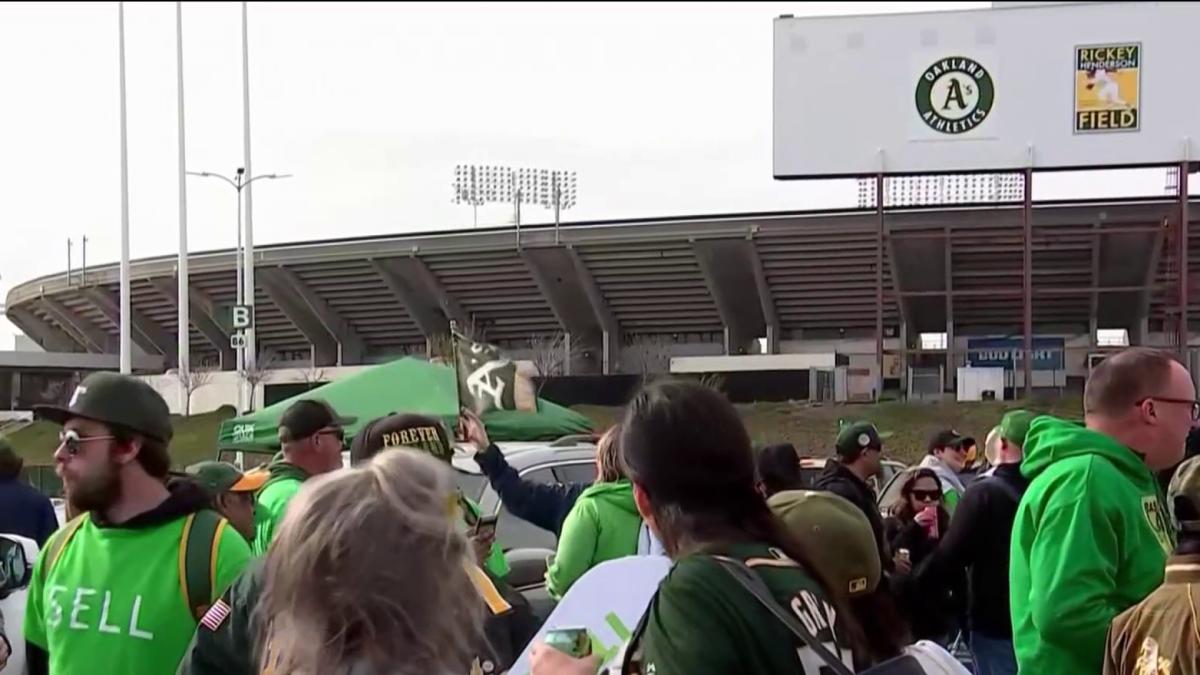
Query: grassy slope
{"x": 811, "y": 428}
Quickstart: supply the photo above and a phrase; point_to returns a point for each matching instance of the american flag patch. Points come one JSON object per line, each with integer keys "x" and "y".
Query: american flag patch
{"x": 216, "y": 615}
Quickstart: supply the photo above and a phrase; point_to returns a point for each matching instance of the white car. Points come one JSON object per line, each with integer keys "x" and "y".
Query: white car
{"x": 17, "y": 555}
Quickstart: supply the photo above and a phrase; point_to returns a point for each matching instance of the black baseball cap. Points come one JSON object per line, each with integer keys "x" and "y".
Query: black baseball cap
{"x": 118, "y": 400}
{"x": 308, "y": 416}
{"x": 947, "y": 438}
{"x": 399, "y": 430}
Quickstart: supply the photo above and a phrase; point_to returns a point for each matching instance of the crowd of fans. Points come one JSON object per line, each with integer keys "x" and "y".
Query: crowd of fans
{"x": 1054, "y": 548}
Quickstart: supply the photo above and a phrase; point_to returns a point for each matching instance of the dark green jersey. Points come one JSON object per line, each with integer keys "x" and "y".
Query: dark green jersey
{"x": 703, "y": 621}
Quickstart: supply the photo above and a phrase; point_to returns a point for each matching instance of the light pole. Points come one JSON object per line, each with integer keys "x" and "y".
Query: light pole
{"x": 477, "y": 185}
{"x": 238, "y": 183}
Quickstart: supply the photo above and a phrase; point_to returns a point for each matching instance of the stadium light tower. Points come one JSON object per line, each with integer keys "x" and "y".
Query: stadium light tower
{"x": 549, "y": 188}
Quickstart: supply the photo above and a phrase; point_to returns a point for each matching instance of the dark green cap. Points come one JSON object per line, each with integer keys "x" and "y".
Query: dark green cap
{"x": 118, "y": 400}
{"x": 221, "y": 477}
{"x": 1015, "y": 425}
{"x": 854, "y": 437}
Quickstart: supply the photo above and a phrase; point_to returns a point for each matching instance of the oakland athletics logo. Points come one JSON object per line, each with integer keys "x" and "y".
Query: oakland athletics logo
{"x": 955, "y": 95}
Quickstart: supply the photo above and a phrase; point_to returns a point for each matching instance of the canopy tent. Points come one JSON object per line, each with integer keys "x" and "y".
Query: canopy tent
{"x": 410, "y": 386}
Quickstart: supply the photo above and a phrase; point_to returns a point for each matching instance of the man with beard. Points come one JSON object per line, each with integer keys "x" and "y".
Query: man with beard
{"x": 119, "y": 589}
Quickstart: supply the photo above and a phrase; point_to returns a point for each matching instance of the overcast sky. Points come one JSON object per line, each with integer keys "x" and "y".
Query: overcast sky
{"x": 660, "y": 108}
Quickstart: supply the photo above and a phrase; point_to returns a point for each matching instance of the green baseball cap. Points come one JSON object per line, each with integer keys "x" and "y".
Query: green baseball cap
{"x": 1185, "y": 484}
{"x": 118, "y": 400}
{"x": 848, "y": 556}
{"x": 1015, "y": 425}
{"x": 855, "y": 436}
{"x": 220, "y": 477}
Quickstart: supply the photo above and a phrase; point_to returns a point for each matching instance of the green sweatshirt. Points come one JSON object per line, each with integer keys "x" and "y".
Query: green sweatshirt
{"x": 1091, "y": 538}
{"x": 603, "y": 525}
{"x": 273, "y": 498}
{"x": 113, "y": 602}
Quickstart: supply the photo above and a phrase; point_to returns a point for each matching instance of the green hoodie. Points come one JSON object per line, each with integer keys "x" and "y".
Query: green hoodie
{"x": 285, "y": 481}
{"x": 603, "y": 525}
{"x": 1091, "y": 539}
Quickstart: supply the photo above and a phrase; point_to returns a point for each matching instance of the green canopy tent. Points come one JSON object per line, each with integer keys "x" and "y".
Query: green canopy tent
{"x": 408, "y": 385}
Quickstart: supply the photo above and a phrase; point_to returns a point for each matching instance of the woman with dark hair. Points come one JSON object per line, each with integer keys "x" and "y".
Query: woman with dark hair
{"x": 603, "y": 525}
{"x": 689, "y": 457}
{"x": 913, "y": 529}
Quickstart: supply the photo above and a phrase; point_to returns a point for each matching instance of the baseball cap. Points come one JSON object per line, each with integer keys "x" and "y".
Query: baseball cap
{"x": 220, "y": 477}
{"x": 1185, "y": 485}
{"x": 308, "y": 416}
{"x": 947, "y": 438}
{"x": 854, "y": 437}
{"x": 1015, "y": 425}
{"x": 401, "y": 430}
{"x": 118, "y": 400}
{"x": 848, "y": 556}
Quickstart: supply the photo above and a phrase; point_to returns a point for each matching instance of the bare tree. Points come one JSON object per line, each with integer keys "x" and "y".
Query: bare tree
{"x": 552, "y": 355}
{"x": 191, "y": 380}
{"x": 313, "y": 377}
{"x": 262, "y": 372}
{"x": 650, "y": 354}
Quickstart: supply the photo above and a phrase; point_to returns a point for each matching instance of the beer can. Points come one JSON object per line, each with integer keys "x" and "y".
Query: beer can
{"x": 572, "y": 641}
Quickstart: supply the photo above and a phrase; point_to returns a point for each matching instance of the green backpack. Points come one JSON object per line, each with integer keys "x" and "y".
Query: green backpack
{"x": 197, "y": 555}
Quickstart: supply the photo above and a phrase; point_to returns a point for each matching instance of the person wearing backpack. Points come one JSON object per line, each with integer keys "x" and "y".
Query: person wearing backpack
{"x": 689, "y": 457}
{"x": 120, "y": 588}
{"x": 979, "y": 540}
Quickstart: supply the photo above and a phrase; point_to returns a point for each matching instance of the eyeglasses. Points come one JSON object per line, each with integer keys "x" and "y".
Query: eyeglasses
{"x": 927, "y": 495}
{"x": 1179, "y": 401}
{"x": 71, "y": 440}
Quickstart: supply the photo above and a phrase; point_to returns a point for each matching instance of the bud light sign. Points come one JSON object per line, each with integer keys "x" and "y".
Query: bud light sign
{"x": 1009, "y": 353}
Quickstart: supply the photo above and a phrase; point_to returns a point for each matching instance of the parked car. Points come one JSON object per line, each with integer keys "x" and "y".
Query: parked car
{"x": 811, "y": 468}
{"x": 17, "y": 555}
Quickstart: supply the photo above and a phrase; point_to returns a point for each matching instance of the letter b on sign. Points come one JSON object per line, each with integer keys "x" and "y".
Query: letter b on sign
{"x": 243, "y": 317}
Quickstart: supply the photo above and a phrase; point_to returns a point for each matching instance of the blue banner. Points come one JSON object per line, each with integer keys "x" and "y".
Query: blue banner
{"x": 1009, "y": 353}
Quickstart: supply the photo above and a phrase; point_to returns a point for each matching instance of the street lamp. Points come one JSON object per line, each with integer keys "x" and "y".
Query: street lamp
{"x": 477, "y": 185}
{"x": 238, "y": 182}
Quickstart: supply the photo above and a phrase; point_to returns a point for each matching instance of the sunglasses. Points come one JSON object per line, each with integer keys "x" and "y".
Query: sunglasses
{"x": 927, "y": 495}
{"x": 338, "y": 433}
{"x": 72, "y": 441}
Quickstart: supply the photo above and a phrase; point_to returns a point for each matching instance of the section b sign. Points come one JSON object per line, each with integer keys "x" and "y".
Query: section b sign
{"x": 242, "y": 317}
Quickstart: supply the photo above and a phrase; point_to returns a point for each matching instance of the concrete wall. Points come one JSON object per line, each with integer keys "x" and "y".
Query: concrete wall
{"x": 222, "y": 389}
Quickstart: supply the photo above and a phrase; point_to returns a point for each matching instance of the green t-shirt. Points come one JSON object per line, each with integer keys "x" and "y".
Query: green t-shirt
{"x": 703, "y": 621}
{"x": 114, "y": 602}
{"x": 270, "y": 509}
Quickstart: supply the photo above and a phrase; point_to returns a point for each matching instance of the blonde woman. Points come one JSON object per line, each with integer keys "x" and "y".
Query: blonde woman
{"x": 367, "y": 575}
{"x": 603, "y": 525}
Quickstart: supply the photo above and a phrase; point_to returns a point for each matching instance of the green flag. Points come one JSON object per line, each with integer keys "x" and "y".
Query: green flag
{"x": 486, "y": 381}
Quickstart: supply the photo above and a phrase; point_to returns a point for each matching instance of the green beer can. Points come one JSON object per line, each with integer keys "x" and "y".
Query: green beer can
{"x": 572, "y": 641}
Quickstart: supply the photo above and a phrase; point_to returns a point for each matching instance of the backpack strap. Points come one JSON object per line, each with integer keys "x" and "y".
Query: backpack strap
{"x": 198, "y": 547}
{"x": 60, "y": 539}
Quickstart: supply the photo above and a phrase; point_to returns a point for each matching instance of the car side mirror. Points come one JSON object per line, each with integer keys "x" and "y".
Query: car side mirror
{"x": 15, "y": 571}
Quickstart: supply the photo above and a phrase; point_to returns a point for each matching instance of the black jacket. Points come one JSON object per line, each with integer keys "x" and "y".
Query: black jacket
{"x": 25, "y": 511}
{"x": 842, "y": 482}
{"x": 979, "y": 538}
{"x": 544, "y": 505}
{"x": 933, "y": 615}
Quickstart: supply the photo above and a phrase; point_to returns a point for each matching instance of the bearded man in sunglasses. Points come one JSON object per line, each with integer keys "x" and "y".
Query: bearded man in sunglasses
{"x": 312, "y": 435}
{"x": 114, "y": 590}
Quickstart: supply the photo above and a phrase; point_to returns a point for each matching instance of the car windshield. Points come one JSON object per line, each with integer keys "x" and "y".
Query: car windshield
{"x": 471, "y": 484}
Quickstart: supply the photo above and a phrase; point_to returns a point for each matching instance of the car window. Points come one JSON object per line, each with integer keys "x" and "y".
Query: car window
{"x": 512, "y": 532}
{"x": 891, "y": 493}
{"x": 472, "y": 485}
{"x": 579, "y": 472}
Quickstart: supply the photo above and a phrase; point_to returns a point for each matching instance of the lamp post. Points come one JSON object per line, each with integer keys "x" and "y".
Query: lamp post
{"x": 238, "y": 183}
{"x": 550, "y": 188}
